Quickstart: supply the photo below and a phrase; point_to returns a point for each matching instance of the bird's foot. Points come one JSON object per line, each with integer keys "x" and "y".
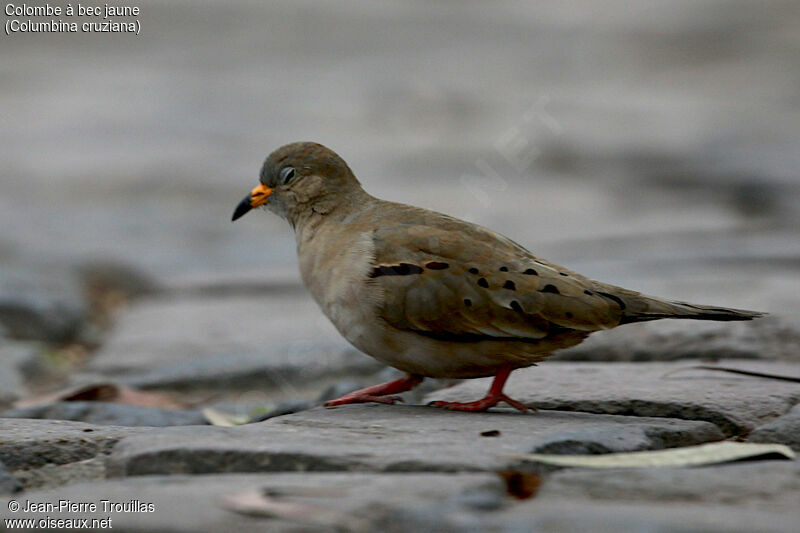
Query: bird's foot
{"x": 483, "y": 404}
{"x": 379, "y": 393}
{"x": 494, "y": 397}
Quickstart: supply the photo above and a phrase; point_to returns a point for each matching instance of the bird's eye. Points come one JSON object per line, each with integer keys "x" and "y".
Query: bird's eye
{"x": 287, "y": 173}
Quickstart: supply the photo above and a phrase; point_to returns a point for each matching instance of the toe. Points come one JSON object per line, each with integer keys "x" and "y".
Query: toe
{"x": 385, "y": 399}
{"x": 362, "y": 398}
{"x": 515, "y": 404}
{"x": 457, "y": 406}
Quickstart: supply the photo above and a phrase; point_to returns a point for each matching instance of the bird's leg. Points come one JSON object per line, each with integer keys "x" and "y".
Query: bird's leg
{"x": 492, "y": 398}
{"x": 379, "y": 393}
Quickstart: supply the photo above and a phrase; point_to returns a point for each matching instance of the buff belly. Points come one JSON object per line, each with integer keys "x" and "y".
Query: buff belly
{"x": 435, "y": 358}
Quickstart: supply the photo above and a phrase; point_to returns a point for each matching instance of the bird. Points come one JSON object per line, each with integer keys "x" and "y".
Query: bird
{"x": 430, "y": 294}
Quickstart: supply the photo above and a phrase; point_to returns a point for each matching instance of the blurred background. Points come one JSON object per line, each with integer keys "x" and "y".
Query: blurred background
{"x": 653, "y": 145}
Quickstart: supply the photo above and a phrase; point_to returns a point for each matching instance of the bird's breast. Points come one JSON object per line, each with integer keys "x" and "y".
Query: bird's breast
{"x": 334, "y": 266}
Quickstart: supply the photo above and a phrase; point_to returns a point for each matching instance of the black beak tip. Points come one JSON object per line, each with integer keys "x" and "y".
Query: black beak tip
{"x": 242, "y": 209}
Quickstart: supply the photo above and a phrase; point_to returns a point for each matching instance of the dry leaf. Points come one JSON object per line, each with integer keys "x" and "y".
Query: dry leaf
{"x": 218, "y": 418}
{"x": 521, "y": 485}
{"x": 104, "y": 392}
{"x": 273, "y": 504}
{"x": 704, "y": 454}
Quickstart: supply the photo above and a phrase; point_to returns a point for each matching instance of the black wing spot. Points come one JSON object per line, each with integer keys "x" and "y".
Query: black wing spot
{"x": 515, "y": 306}
{"x": 483, "y": 283}
{"x": 588, "y": 292}
{"x": 509, "y": 285}
{"x": 563, "y": 274}
{"x": 531, "y": 272}
{"x": 551, "y": 289}
{"x": 503, "y": 269}
{"x": 473, "y": 270}
{"x": 569, "y": 314}
{"x": 614, "y": 298}
{"x": 467, "y": 302}
{"x": 403, "y": 269}
{"x": 436, "y": 265}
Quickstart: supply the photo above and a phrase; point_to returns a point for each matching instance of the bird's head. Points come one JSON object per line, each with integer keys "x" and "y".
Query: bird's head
{"x": 302, "y": 177}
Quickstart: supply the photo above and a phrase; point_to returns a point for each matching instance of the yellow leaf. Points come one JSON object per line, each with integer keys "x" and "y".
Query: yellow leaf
{"x": 704, "y": 454}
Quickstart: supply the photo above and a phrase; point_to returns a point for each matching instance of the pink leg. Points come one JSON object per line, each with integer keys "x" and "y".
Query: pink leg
{"x": 379, "y": 393}
{"x": 494, "y": 396}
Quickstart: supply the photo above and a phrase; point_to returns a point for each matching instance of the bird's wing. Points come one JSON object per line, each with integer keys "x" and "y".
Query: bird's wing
{"x": 450, "y": 278}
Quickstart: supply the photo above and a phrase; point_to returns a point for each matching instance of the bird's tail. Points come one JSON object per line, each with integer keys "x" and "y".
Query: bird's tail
{"x": 650, "y": 308}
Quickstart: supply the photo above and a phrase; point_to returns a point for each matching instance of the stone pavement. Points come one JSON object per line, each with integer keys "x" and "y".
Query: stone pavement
{"x": 375, "y": 468}
{"x": 696, "y": 500}
{"x": 654, "y": 147}
{"x": 736, "y": 404}
{"x": 410, "y": 467}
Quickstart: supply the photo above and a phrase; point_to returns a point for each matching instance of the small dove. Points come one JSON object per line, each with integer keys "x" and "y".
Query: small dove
{"x": 432, "y": 295}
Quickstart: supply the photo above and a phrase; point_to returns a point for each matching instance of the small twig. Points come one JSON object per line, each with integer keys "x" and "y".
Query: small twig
{"x": 736, "y": 371}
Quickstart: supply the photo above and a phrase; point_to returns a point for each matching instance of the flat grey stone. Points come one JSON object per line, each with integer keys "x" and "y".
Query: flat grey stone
{"x": 286, "y": 370}
{"x": 116, "y": 414}
{"x": 783, "y": 430}
{"x": 154, "y": 330}
{"x": 8, "y": 483}
{"x": 388, "y": 439}
{"x": 590, "y": 438}
{"x": 572, "y": 515}
{"x": 231, "y": 342}
{"x": 764, "y": 485}
{"x": 759, "y": 496}
{"x": 28, "y": 443}
{"x": 425, "y": 502}
{"x": 326, "y": 501}
{"x": 736, "y": 404}
{"x": 44, "y": 304}
{"x": 668, "y": 340}
{"x": 53, "y": 475}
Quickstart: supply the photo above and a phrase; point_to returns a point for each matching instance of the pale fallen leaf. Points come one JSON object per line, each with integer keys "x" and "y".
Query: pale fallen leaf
{"x": 145, "y": 398}
{"x": 218, "y": 418}
{"x": 272, "y": 504}
{"x": 704, "y": 454}
{"x": 103, "y": 392}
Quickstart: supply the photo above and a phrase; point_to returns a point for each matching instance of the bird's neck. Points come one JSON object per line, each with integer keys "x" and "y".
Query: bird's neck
{"x": 329, "y": 208}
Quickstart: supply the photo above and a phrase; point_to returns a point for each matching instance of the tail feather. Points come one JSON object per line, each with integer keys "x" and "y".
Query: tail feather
{"x": 655, "y": 309}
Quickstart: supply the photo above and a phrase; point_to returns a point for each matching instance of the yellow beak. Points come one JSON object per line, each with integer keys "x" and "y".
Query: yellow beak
{"x": 257, "y": 197}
